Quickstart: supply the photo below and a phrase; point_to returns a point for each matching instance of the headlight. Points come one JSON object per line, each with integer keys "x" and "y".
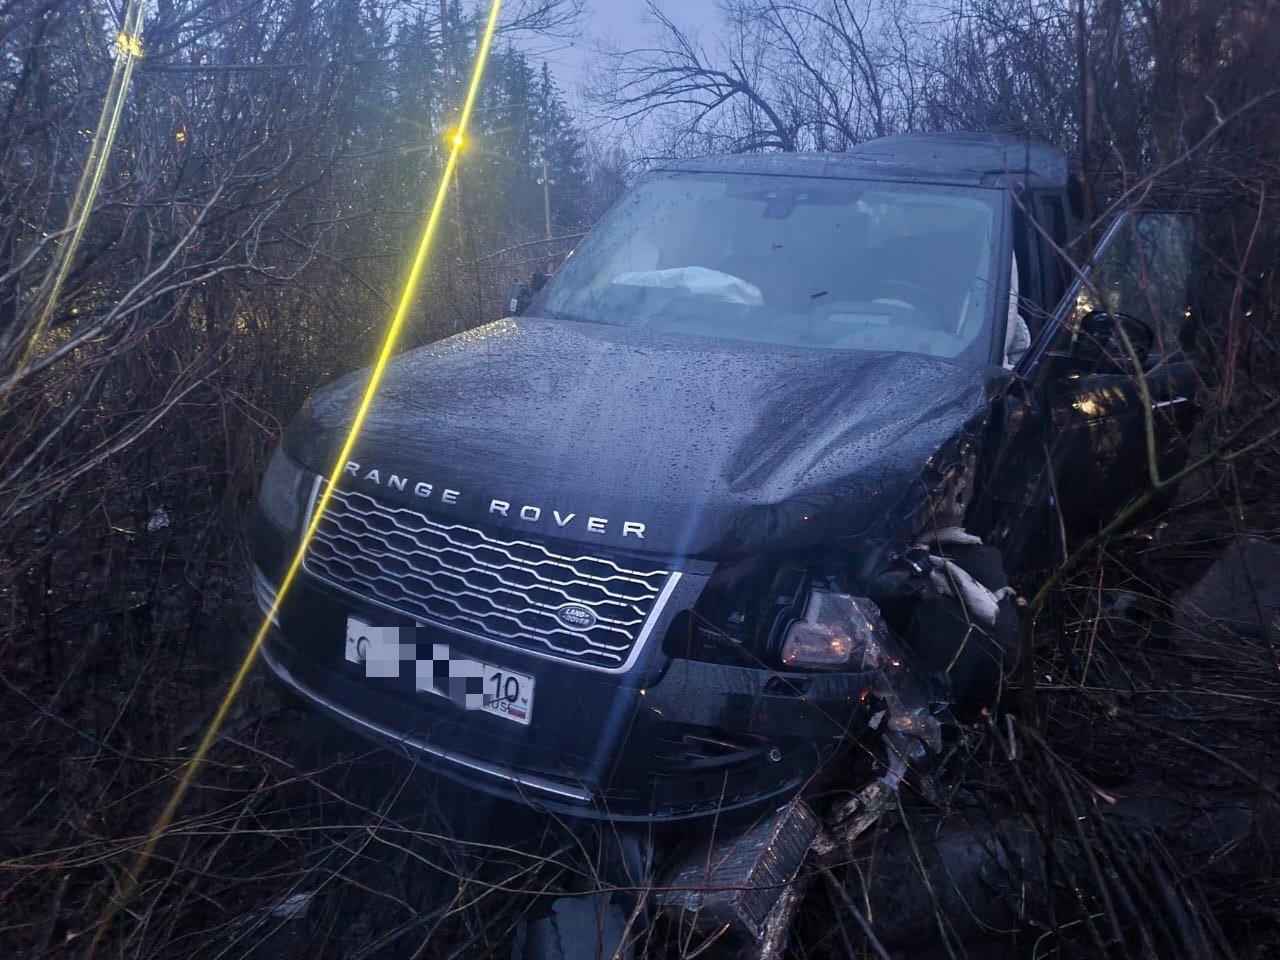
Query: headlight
{"x": 280, "y": 498}
{"x": 838, "y": 632}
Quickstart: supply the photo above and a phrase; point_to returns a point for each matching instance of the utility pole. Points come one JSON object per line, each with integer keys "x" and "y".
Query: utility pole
{"x": 444, "y": 49}
{"x": 547, "y": 183}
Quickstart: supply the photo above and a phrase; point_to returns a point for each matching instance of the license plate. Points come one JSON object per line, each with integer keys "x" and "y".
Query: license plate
{"x": 471, "y": 684}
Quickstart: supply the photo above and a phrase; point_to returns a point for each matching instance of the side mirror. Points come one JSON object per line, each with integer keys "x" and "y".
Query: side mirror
{"x": 1101, "y": 340}
{"x": 519, "y": 294}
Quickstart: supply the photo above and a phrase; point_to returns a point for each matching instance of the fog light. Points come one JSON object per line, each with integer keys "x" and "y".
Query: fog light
{"x": 838, "y": 632}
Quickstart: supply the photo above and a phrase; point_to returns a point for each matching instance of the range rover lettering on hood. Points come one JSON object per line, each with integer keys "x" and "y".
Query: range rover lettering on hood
{"x": 528, "y": 512}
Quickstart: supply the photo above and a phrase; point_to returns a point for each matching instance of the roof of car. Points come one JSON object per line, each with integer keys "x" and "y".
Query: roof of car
{"x": 960, "y": 158}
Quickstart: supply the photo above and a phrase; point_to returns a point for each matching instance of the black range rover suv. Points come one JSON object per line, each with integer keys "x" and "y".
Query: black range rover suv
{"x": 779, "y": 429}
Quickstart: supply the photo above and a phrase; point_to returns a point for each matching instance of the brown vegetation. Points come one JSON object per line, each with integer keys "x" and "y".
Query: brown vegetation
{"x": 247, "y": 235}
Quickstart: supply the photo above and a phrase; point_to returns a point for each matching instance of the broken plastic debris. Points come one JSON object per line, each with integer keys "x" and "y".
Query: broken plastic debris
{"x": 916, "y": 724}
{"x": 158, "y": 521}
{"x": 856, "y": 815}
{"x": 952, "y": 580}
{"x": 956, "y": 535}
{"x": 910, "y": 732}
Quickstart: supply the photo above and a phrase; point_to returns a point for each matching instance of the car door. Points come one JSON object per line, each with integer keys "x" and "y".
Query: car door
{"x": 1074, "y": 426}
{"x": 1100, "y": 435}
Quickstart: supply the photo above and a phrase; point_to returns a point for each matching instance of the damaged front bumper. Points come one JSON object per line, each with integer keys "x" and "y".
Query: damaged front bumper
{"x": 667, "y": 739}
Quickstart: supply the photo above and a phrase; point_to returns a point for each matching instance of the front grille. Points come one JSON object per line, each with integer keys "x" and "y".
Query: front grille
{"x": 460, "y": 577}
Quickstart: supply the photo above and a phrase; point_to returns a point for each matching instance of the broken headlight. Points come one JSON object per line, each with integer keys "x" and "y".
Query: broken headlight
{"x": 784, "y": 615}
{"x": 838, "y": 632}
{"x": 280, "y": 498}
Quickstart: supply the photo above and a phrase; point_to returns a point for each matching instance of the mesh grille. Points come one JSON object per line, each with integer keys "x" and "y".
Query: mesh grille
{"x": 461, "y": 577}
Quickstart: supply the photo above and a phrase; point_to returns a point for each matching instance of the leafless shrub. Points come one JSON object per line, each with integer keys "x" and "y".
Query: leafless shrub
{"x": 243, "y": 246}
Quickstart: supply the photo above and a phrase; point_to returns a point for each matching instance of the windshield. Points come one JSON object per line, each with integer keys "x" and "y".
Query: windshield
{"x": 853, "y": 265}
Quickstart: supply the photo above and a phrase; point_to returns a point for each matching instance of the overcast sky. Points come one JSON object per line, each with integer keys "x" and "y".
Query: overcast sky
{"x": 620, "y": 23}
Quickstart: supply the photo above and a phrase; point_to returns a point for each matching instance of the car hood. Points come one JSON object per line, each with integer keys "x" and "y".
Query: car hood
{"x": 657, "y": 443}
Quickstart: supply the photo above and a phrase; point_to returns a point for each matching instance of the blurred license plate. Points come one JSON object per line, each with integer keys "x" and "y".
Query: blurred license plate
{"x": 471, "y": 684}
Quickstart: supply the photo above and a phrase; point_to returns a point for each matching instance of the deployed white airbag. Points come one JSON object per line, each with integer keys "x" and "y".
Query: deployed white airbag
{"x": 699, "y": 280}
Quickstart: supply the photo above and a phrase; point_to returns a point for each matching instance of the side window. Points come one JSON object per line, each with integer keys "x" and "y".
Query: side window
{"x": 1143, "y": 268}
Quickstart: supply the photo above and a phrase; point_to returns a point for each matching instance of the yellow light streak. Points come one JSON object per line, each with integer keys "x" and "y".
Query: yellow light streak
{"x": 128, "y": 886}
{"x": 128, "y": 45}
